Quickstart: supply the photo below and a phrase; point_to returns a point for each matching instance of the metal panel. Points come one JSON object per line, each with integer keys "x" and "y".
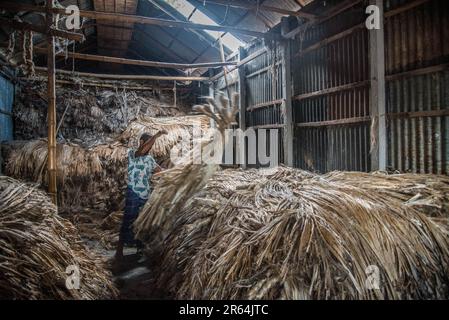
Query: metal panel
{"x": 331, "y": 94}
{"x": 417, "y": 49}
{"x": 264, "y": 94}
{"x": 6, "y": 100}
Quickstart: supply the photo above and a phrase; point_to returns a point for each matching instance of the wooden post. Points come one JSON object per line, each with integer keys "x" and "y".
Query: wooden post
{"x": 242, "y": 105}
{"x": 51, "y": 91}
{"x": 377, "y": 107}
{"x": 212, "y": 95}
{"x": 174, "y": 95}
{"x": 287, "y": 96}
{"x": 225, "y": 71}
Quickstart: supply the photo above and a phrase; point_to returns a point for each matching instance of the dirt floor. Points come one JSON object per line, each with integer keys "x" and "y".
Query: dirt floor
{"x": 133, "y": 276}
{"x": 135, "y": 279}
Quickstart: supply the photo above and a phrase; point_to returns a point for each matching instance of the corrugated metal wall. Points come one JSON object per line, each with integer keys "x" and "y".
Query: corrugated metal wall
{"x": 331, "y": 94}
{"x": 417, "y": 53}
{"x": 6, "y": 101}
{"x": 262, "y": 78}
{"x": 264, "y": 98}
{"x": 332, "y": 89}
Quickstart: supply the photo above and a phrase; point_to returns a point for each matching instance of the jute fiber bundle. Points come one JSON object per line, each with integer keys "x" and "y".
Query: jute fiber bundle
{"x": 37, "y": 247}
{"x": 94, "y": 177}
{"x": 177, "y": 185}
{"x": 288, "y": 234}
{"x": 90, "y": 177}
{"x": 428, "y": 193}
{"x": 87, "y": 114}
{"x": 177, "y": 128}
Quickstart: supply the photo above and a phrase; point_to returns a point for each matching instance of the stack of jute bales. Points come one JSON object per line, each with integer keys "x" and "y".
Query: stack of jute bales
{"x": 94, "y": 177}
{"x": 289, "y": 234}
{"x": 42, "y": 256}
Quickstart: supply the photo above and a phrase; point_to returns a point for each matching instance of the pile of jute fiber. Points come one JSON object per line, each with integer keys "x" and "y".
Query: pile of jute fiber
{"x": 288, "y": 234}
{"x": 38, "y": 247}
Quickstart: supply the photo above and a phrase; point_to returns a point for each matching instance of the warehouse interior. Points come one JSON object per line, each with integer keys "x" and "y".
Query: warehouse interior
{"x": 355, "y": 120}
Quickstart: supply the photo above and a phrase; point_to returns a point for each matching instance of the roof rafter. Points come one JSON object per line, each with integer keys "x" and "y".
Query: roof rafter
{"x": 261, "y": 7}
{"x": 126, "y": 18}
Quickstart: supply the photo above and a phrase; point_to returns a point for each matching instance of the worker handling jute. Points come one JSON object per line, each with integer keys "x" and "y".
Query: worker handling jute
{"x": 141, "y": 167}
{"x": 140, "y": 171}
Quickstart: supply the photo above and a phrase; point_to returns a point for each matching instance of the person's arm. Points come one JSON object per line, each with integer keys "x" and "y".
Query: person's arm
{"x": 146, "y": 147}
{"x": 157, "y": 169}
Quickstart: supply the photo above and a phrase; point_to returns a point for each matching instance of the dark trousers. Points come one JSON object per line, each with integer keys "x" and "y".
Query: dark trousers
{"x": 133, "y": 205}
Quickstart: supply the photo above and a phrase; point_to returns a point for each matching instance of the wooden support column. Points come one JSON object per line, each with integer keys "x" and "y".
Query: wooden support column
{"x": 225, "y": 71}
{"x": 378, "y": 100}
{"x": 242, "y": 105}
{"x": 175, "y": 103}
{"x": 287, "y": 96}
{"x": 212, "y": 95}
{"x": 51, "y": 91}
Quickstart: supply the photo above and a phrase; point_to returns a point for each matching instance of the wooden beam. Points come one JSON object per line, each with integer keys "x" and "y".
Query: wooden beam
{"x": 225, "y": 71}
{"x": 287, "y": 109}
{"x": 332, "y": 12}
{"x": 355, "y": 28}
{"x": 263, "y": 70}
{"x": 419, "y": 114}
{"x": 242, "y": 18}
{"x": 418, "y": 72}
{"x": 25, "y": 26}
{"x": 265, "y": 104}
{"x": 212, "y": 95}
{"x": 254, "y": 7}
{"x": 241, "y": 148}
{"x": 144, "y": 63}
{"x": 331, "y": 39}
{"x": 378, "y": 95}
{"x": 51, "y": 113}
{"x": 323, "y": 92}
{"x": 405, "y": 7}
{"x": 105, "y": 85}
{"x": 241, "y": 63}
{"x": 126, "y": 18}
{"x": 339, "y": 122}
{"x": 269, "y": 126}
{"x": 126, "y": 77}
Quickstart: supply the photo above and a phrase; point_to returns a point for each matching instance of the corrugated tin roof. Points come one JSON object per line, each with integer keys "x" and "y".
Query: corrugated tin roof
{"x": 149, "y": 42}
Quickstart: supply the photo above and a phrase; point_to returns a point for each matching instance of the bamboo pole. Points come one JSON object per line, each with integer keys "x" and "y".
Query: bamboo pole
{"x": 126, "y": 18}
{"x": 144, "y": 63}
{"x": 126, "y": 77}
{"x": 42, "y": 29}
{"x": 51, "y": 91}
{"x": 61, "y": 82}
